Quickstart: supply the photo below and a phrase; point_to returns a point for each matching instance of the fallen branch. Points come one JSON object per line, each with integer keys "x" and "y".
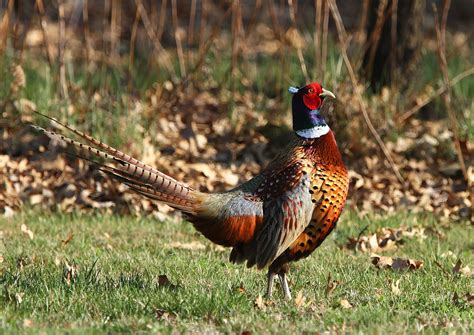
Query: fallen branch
{"x": 342, "y": 40}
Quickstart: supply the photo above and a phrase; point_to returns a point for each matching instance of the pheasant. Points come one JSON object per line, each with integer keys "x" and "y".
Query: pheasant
{"x": 279, "y": 216}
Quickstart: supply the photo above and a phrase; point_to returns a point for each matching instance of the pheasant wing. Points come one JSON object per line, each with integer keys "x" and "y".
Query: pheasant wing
{"x": 284, "y": 216}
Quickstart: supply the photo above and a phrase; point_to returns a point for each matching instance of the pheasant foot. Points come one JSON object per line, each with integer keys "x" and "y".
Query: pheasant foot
{"x": 283, "y": 282}
{"x": 284, "y": 285}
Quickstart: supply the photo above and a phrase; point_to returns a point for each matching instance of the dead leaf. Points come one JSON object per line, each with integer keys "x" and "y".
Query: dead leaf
{"x": 8, "y": 212}
{"x": 70, "y": 273}
{"x": 459, "y": 270}
{"x": 345, "y": 304}
{"x": 27, "y": 323}
{"x": 396, "y": 287}
{"x": 26, "y": 231}
{"x": 300, "y": 299}
{"x": 163, "y": 315}
{"x": 163, "y": 281}
{"x": 259, "y": 302}
{"x": 330, "y": 286}
{"x": 399, "y": 264}
{"x": 19, "y": 297}
{"x": 241, "y": 289}
{"x": 469, "y": 298}
{"x": 67, "y": 239}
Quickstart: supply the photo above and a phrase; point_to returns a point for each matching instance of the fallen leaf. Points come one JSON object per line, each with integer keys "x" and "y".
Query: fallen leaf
{"x": 70, "y": 273}
{"x": 396, "y": 287}
{"x": 163, "y": 315}
{"x": 27, "y": 323}
{"x": 259, "y": 302}
{"x": 345, "y": 304}
{"x": 163, "y": 280}
{"x": 469, "y": 298}
{"x": 330, "y": 286}
{"x": 19, "y": 297}
{"x": 399, "y": 264}
{"x": 26, "y": 231}
{"x": 8, "y": 212}
{"x": 300, "y": 299}
{"x": 459, "y": 270}
{"x": 67, "y": 239}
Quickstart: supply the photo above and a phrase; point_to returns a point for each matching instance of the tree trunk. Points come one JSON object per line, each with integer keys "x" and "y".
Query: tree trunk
{"x": 394, "y": 36}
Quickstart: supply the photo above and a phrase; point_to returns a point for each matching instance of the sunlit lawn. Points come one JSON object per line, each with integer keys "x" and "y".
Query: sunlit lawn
{"x": 120, "y": 260}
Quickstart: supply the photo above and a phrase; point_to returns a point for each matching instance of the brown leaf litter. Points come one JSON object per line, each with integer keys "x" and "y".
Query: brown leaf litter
{"x": 395, "y": 263}
{"x": 387, "y": 239}
{"x": 203, "y": 149}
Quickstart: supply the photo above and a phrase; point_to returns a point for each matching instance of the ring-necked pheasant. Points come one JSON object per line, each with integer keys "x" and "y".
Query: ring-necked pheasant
{"x": 277, "y": 217}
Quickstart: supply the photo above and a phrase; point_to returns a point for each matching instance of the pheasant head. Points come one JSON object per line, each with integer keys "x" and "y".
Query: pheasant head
{"x": 307, "y": 101}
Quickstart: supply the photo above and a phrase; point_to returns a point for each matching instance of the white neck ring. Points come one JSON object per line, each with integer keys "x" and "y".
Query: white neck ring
{"x": 314, "y": 132}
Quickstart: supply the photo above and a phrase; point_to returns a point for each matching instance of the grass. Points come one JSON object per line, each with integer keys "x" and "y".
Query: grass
{"x": 120, "y": 259}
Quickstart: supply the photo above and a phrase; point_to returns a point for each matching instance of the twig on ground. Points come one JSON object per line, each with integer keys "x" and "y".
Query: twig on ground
{"x": 342, "y": 40}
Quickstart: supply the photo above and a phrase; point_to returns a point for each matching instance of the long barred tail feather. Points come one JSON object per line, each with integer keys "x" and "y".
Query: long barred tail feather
{"x": 137, "y": 175}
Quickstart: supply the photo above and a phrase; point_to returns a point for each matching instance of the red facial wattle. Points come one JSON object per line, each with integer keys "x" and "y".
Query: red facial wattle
{"x": 312, "y": 101}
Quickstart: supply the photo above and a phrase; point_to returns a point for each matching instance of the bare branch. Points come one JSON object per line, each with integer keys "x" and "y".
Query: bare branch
{"x": 342, "y": 40}
{"x": 443, "y": 64}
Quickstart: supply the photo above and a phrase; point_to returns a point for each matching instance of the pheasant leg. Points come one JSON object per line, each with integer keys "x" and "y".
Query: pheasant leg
{"x": 284, "y": 285}
{"x": 270, "y": 278}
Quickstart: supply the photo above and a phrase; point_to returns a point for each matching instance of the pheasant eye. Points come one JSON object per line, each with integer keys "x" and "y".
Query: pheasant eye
{"x": 311, "y": 91}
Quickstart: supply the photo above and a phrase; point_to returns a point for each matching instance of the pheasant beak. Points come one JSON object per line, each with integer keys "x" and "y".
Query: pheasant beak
{"x": 327, "y": 93}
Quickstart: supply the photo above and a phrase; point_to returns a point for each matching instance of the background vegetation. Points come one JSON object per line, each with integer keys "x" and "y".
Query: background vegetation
{"x": 199, "y": 89}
